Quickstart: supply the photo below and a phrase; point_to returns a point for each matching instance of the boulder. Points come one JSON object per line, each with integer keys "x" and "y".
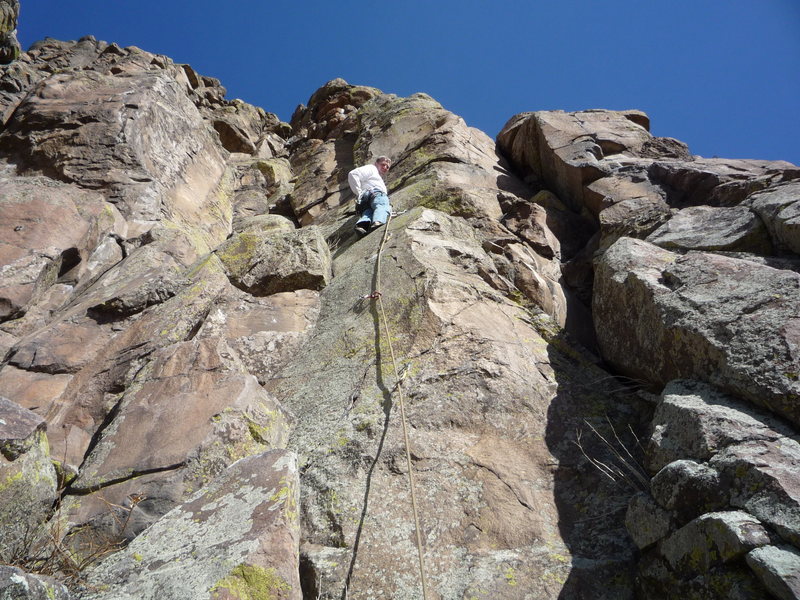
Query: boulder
{"x": 281, "y": 262}
{"x": 726, "y": 321}
{"x": 763, "y": 480}
{"x": 734, "y": 229}
{"x": 237, "y": 537}
{"x": 624, "y": 186}
{"x": 16, "y": 584}
{"x": 688, "y": 490}
{"x": 779, "y": 207}
{"x": 632, "y": 217}
{"x": 717, "y": 181}
{"x": 746, "y": 478}
{"x": 695, "y": 421}
{"x": 646, "y": 521}
{"x": 712, "y": 539}
{"x": 566, "y": 151}
{"x": 778, "y": 568}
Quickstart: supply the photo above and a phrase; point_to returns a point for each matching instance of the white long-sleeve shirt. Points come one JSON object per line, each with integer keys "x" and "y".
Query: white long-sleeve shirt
{"x": 365, "y": 178}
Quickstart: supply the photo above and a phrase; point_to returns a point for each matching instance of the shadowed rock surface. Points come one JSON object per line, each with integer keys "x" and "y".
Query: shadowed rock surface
{"x": 595, "y": 332}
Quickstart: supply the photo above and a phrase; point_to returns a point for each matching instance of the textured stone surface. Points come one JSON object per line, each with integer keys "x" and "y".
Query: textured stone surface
{"x": 763, "y": 480}
{"x": 747, "y": 480}
{"x": 281, "y": 262}
{"x": 565, "y": 150}
{"x": 779, "y": 207}
{"x": 161, "y": 280}
{"x": 778, "y": 568}
{"x": 9, "y": 46}
{"x": 711, "y": 228}
{"x": 646, "y": 521}
{"x": 27, "y": 480}
{"x": 699, "y": 316}
{"x": 717, "y": 181}
{"x": 73, "y": 122}
{"x": 632, "y": 217}
{"x": 695, "y": 421}
{"x": 688, "y": 490}
{"x": 48, "y": 232}
{"x": 476, "y": 487}
{"x": 236, "y": 537}
{"x": 16, "y": 584}
{"x": 231, "y": 417}
{"x": 712, "y": 539}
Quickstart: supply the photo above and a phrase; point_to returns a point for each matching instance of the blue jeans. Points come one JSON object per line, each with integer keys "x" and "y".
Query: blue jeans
{"x": 377, "y": 211}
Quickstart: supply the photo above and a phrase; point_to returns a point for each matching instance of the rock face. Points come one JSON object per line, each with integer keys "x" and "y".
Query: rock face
{"x": 236, "y": 537}
{"x": 203, "y": 365}
{"x": 9, "y": 46}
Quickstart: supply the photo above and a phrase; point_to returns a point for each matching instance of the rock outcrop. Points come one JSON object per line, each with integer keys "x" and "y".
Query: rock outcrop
{"x": 9, "y": 46}
{"x": 202, "y": 362}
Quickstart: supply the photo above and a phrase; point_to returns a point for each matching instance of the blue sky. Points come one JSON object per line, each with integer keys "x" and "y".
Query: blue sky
{"x": 721, "y": 75}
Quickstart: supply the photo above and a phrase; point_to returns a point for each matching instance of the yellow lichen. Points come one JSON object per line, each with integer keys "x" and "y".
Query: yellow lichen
{"x": 248, "y": 582}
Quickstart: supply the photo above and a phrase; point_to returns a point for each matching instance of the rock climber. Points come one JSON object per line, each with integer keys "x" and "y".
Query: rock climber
{"x": 372, "y": 198}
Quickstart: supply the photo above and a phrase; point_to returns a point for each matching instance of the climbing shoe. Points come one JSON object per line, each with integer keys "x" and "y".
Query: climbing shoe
{"x": 362, "y": 228}
{"x": 375, "y": 225}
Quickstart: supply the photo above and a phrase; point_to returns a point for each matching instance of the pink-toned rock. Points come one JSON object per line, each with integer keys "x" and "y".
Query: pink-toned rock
{"x": 264, "y": 332}
{"x": 65, "y": 347}
{"x": 137, "y": 137}
{"x": 331, "y": 110}
{"x": 321, "y": 184}
{"x": 565, "y": 151}
{"x": 48, "y": 232}
{"x": 37, "y": 391}
{"x": 226, "y": 408}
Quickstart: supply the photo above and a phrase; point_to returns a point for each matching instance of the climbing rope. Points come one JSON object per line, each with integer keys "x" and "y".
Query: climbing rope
{"x": 377, "y": 295}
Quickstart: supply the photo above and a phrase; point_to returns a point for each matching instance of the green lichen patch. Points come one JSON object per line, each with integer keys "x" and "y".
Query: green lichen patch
{"x": 237, "y": 254}
{"x": 248, "y": 582}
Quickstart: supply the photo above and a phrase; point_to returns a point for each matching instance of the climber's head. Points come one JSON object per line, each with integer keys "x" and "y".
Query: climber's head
{"x": 383, "y": 163}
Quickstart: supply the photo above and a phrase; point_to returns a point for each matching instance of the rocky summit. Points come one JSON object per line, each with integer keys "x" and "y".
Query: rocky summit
{"x": 568, "y": 367}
